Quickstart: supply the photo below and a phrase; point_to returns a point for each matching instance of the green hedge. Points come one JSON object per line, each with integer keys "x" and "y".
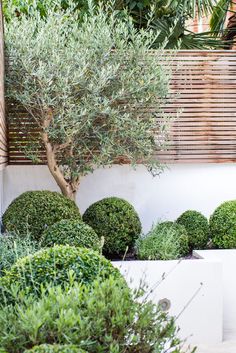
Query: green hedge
{"x": 71, "y": 232}
{"x": 223, "y": 226}
{"x": 117, "y": 221}
{"x": 33, "y": 211}
{"x": 53, "y": 265}
{"x": 165, "y": 241}
{"x": 197, "y": 228}
{"x": 55, "y": 348}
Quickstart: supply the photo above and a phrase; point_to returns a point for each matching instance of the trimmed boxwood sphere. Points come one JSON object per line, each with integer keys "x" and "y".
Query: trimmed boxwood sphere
{"x": 71, "y": 232}
{"x": 197, "y": 228}
{"x": 223, "y": 226}
{"x": 52, "y": 265}
{"x": 33, "y": 211}
{"x": 55, "y": 348}
{"x": 117, "y": 221}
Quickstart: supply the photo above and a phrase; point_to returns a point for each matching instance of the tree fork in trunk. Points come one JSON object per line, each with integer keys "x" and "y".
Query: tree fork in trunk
{"x": 68, "y": 189}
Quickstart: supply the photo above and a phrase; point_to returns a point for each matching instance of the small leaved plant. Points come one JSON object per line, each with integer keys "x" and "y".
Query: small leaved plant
{"x": 103, "y": 317}
{"x": 14, "y": 247}
{"x": 55, "y": 348}
{"x": 197, "y": 228}
{"x": 33, "y": 211}
{"x": 165, "y": 241}
{"x": 223, "y": 226}
{"x": 52, "y": 265}
{"x": 115, "y": 220}
{"x": 71, "y": 232}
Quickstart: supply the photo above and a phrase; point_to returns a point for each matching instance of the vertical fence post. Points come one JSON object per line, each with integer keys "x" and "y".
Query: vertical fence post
{"x": 3, "y": 128}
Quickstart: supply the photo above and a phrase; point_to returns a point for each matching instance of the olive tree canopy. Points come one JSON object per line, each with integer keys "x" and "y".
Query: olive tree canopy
{"x": 92, "y": 89}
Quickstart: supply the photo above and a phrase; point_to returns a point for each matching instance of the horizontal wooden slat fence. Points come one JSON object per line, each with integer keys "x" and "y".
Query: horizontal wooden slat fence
{"x": 205, "y": 131}
{"x": 3, "y": 129}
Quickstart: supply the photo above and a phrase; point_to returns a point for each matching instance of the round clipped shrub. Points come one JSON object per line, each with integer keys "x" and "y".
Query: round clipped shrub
{"x": 165, "y": 241}
{"x": 197, "y": 228}
{"x": 117, "y": 221}
{"x": 55, "y": 266}
{"x": 55, "y": 348}
{"x": 71, "y": 232}
{"x": 33, "y": 211}
{"x": 223, "y": 226}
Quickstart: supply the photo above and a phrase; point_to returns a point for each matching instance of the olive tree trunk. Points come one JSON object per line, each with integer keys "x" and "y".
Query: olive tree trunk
{"x": 68, "y": 188}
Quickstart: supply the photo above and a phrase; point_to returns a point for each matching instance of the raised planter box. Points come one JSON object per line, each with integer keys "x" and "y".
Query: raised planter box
{"x": 193, "y": 288}
{"x": 228, "y": 260}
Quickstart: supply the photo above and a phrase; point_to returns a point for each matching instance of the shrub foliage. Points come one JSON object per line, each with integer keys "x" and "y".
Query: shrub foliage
{"x": 71, "y": 232}
{"x": 105, "y": 317}
{"x": 55, "y": 348}
{"x": 52, "y": 265}
{"x": 197, "y": 227}
{"x": 13, "y": 247}
{"x": 117, "y": 221}
{"x": 33, "y": 211}
{"x": 165, "y": 241}
{"x": 223, "y": 226}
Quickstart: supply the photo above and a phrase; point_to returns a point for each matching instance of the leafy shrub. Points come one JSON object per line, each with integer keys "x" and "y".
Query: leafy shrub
{"x": 54, "y": 348}
{"x": 105, "y": 317}
{"x": 165, "y": 241}
{"x": 223, "y": 226}
{"x": 197, "y": 227}
{"x": 33, "y": 211}
{"x": 52, "y": 265}
{"x": 13, "y": 247}
{"x": 71, "y": 232}
{"x": 115, "y": 220}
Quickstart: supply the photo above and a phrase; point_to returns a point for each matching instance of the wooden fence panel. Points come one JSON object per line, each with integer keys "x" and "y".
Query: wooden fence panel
{"x": 205, "y": 131}
{"x": 3, "y": 129}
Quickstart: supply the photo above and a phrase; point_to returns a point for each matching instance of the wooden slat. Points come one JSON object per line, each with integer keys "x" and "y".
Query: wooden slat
{"x": 204, "y": 132}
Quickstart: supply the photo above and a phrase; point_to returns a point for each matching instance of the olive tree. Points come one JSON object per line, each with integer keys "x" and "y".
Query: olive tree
{"x": 93, "y": 90}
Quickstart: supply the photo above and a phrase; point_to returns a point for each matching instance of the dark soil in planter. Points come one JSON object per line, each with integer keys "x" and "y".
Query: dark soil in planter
{"x": 133, "y": 257}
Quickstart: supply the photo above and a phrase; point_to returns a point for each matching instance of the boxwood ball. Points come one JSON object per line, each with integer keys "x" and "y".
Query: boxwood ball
{"x": 115, "y": 220}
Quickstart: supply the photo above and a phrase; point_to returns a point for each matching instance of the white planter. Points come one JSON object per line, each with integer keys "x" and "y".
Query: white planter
{"x": 228, "y": 261}
{"x": 194, "y": 289}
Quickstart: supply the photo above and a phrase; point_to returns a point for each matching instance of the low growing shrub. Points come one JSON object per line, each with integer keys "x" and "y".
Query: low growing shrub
{"x": 71, "y": 232}
{"x": 165, "y": 241}
{"x": 105, "y": 317}
{"x": 52, "y": 265}
{"x": 223, "y": 226}
{"x": 115, "y": 220}
{"x": 197, "y": 228}
{"x": 54, "y": 348}
{"x": 12, "y": 248}
{"x": 33, "y": 211}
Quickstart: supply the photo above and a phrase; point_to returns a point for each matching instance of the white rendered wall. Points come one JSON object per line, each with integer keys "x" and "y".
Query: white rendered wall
{"x": 194, "y": 288}
{"x": 181, "y": 187}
